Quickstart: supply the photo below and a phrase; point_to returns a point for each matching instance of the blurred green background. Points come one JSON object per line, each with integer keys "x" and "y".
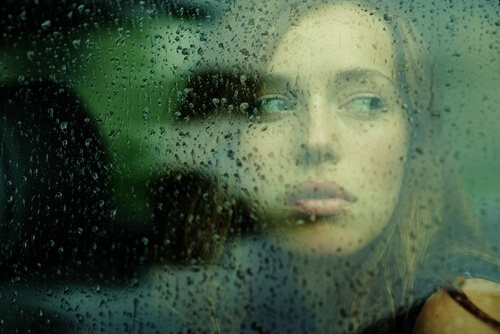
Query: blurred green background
{"x": 129, "y": 65}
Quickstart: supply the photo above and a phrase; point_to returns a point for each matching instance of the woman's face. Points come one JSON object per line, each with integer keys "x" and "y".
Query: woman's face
{"x": 323, "y": 156}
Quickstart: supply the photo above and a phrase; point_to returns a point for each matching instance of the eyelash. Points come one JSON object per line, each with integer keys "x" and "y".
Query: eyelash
{"x": 370, "y": 105}
{"x": 273, "y": 107}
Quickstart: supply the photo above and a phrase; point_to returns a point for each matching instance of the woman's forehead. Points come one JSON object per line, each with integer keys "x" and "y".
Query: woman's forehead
{"x": 336, "y": 38}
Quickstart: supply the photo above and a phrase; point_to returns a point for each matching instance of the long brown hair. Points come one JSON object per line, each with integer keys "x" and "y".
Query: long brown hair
{"x": 200, "y": 211}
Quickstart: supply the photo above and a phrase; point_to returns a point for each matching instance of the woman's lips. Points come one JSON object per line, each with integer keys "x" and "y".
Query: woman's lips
{"x": 319, "y": 198}
{"x": 321, "y": 207}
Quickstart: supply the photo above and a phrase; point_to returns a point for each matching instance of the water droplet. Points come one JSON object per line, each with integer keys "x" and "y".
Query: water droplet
{"x": 46, "y": 24}
{"x": 145, "y": 113}
{"x": 64, "y": 126}
{"x": 244, "y": 107}
{"x": 134, "y": 283}
{"x": 113, "y": 212}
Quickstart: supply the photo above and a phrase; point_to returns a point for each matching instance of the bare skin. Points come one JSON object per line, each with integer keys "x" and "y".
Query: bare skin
{"x": 442, "y": 314}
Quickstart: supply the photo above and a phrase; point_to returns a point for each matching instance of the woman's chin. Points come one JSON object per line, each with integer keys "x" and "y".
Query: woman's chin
{"x": 321, "y": 238}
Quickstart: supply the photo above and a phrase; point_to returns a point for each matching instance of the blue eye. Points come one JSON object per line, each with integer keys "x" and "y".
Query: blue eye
{"x": 365, "y": 105}
{"x": 272, "y": 107}
{"x": 274, "y": 104}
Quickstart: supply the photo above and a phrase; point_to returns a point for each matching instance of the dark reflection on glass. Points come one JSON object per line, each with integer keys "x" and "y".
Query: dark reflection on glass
{"x": 55, "y": 180}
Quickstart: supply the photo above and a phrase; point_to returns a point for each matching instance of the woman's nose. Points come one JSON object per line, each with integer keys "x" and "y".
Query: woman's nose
{"x": 321, "y": 136}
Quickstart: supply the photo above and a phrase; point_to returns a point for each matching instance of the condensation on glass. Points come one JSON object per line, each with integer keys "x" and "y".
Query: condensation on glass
{"x": 234, "y": 166}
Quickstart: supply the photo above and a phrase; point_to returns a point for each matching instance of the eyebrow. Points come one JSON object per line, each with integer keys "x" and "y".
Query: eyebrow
{"x": 273, "y": 78}
{"x": 362, "y": 73}
{"x": 354, "y": 74}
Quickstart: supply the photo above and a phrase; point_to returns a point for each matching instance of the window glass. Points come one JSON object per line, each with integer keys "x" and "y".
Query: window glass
{"x": 234, "y": 166}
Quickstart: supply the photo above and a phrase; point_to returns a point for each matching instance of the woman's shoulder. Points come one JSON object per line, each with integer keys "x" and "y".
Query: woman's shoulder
{"x": 473, "y": 307}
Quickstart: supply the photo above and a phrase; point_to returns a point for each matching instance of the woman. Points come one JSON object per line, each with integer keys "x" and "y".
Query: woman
{"x": 318, "y": 127}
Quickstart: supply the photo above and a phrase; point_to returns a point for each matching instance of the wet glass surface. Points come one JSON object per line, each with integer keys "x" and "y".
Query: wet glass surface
{"x": 213, "y": 166}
